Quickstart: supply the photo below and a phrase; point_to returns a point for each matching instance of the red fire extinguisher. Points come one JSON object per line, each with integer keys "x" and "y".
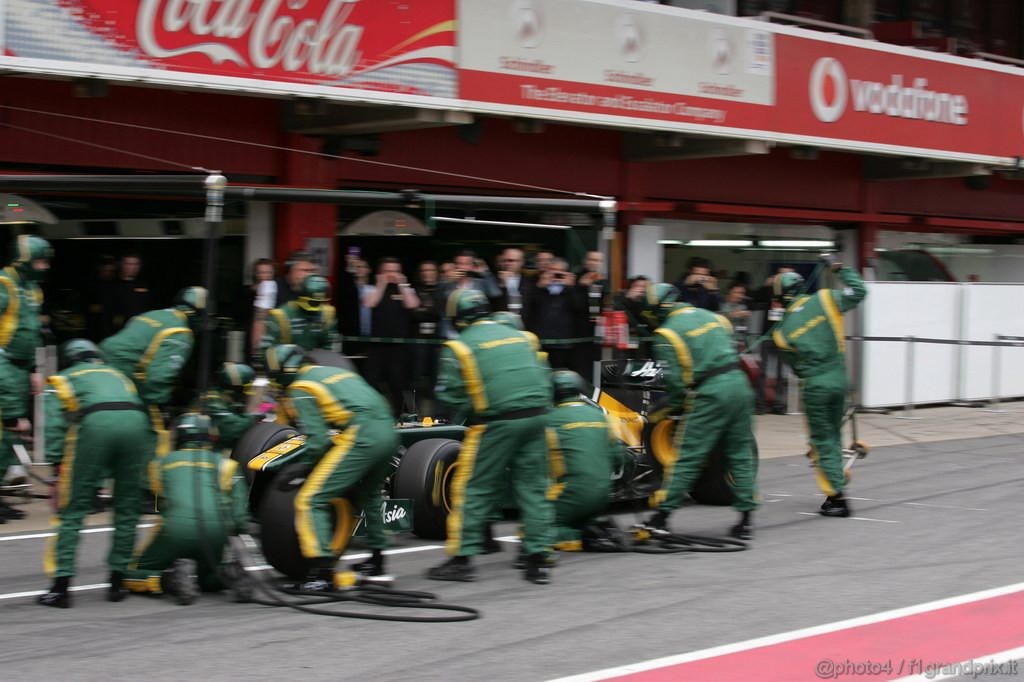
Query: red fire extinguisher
{"x": 616, "y": 329}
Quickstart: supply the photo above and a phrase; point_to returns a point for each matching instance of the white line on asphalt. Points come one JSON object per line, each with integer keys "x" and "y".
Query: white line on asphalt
{"x": 976, "y": 667}
{"x": 942, "y": 506}
{"x": 804, "y": 633}
{"x": 36, "y": 536}
{"x": 262, "y": 567}
{"x": 851, "y": 518}
{"x": 35, "y": 593}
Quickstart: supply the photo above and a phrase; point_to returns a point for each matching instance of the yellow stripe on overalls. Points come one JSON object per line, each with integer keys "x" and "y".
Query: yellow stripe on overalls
{"x": 308, "y": 541}
{"x": 9, "y": 319}
{"x": 835, "y": 318}
{"x": 470, "y": 374}
{"x": 467, "y": 458}
{"x": 682, "y": 352}
{"x": 556, "y": 464}
{"x": 67, "y": 470}
{"x": 284, "y": 325}
{"x": 154, "y": 346}
{"x": 668, "y": 468}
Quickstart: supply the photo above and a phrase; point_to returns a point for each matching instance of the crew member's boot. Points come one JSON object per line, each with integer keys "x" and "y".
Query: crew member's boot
{"x": 538, "y": 570}
{"x": 321, "y": 576}
{"x": 491, "y": 544}
{"x": 58, "y": 596}
{"x": 9, "y": 513}
{"x": 117, "y": 590}
{"x": 835, "y": 505}
{"x": 180, "y": 580}
{"x": 744, "y": 530}
{"x": 458, "y": 568}
{"x": 372, "y": 569}
{"x": 657, "y": 524}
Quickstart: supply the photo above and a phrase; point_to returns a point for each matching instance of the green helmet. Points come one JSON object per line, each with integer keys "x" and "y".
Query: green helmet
{"x": 192, "y": 428}
{"x": 662, "y": 299}
{"x": 314, "y": 292}
{"x": 191, "y": 300}
{"x": 786, "y": 285}
{"x": 568, "y": 385}
{"x": 284, "y": 361}
{"x": 79, "y": 350}
{"x": 466, "y": 306}
{"x": 509, "y": 319}
{"x": 236, "y": 376}
{"x": 28, "y": 248}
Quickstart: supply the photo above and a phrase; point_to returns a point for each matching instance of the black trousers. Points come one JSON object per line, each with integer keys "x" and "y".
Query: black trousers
{"x": 387, "y": 369}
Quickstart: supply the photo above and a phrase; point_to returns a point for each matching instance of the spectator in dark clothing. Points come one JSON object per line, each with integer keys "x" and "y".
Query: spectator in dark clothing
{"x": 512, "y": 281}
{"x": 698, "y": 287}
{"x": 99, "y": 321}
{"x": 771, "y": 382}
{"x": 131, "y": 295}
{"x": 554, "y": 312}
{"x": 592, "y": 285}
{"x": 298, "y": 267}
{"x": 633, "y": 301}
{"x": 427, "y": 318}
{"x": 392, "y": 301}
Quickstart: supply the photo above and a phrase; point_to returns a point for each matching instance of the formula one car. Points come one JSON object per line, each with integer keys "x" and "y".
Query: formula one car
{"x": 418, "y": 493}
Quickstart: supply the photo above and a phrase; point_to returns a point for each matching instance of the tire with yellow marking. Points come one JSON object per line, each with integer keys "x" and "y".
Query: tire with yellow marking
{"x": 254, "y": 442}
{"x": 425, "y": 476}
{"x": 278, "y": 537}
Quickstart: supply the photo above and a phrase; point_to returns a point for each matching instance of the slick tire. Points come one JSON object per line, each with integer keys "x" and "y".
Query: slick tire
{"x": 280, "y": 539}
{"x": 425, "y": 476}
{"x": 257, "y": 440}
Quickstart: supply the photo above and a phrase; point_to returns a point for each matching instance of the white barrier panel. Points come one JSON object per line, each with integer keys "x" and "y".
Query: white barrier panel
{"x": 990, "y": 310}
{"x": 901, "y": 309}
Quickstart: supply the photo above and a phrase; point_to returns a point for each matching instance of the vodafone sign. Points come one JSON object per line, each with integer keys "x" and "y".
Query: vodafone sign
{"x": 865, "y": 97}
{"x": 830, "y": 90}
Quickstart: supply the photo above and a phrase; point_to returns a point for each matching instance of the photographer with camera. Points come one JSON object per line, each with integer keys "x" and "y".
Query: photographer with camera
{"x": 554, "y": 312}
{"x": 699, "y": 288}
{"x": 470, "y": 272}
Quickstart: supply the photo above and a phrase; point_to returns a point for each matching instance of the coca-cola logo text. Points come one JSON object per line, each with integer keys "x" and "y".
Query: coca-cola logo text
{"x": 263, "y": 35}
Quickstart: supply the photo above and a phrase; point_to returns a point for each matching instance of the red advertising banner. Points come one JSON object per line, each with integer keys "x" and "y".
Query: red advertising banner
{"x": 401, "y": 47}
{"x": 621, "y": 63}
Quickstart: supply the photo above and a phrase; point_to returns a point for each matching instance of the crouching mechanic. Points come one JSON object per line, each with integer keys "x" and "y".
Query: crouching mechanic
{"x": 584, "y": 454}
{"x": 493, "y": 376}
{"x": 204, "y": 501}
{"x": 812, "y": 339}
{"x": 350, "y": 440}
{"x": 96, "y": 428}
{"x": 228, "y": 407}
{"x": 152, "y": 348}
{"x": 703, "y": 377}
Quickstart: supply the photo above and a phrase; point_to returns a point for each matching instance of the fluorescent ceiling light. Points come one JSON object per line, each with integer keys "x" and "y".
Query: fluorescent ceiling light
{"x": 807, "y": 243}
{"x": 472, "y": 221}
{"x": 670, "y": 242}
{"x": 720, "y": 242}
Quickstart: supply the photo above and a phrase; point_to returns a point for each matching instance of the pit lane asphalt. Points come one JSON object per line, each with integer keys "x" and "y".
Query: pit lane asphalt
{"x": 940, "y": 519}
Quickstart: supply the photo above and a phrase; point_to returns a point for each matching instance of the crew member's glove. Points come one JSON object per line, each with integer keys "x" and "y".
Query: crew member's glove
{"x": 831, "y": 261}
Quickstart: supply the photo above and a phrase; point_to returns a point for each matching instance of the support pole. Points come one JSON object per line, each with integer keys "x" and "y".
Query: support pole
{"x": 215, "y": 184}
{"x": 908, "y": 407}
{"x": 996, "y": 371}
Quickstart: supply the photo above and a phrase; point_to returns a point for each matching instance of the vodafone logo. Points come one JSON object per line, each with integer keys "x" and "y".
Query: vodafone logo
{"x": 828, "y": 89}
{"x": 831, "y": 91}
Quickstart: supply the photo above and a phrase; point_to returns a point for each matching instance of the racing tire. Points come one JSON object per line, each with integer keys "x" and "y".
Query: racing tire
{"x": 279, "y": 537}
{"x": 257, "y": 440}
{"x": 327, "y": 358}
{"x": 425, "y": 476}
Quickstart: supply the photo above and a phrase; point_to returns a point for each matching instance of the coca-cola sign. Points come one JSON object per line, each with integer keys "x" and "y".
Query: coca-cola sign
{"x": 405, "y": 47}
